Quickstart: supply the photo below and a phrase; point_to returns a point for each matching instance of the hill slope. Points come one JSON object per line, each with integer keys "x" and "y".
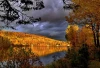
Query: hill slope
{"x": 39, "y": 44}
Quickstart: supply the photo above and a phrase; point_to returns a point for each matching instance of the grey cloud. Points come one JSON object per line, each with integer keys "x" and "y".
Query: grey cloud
{"x": 53, "y": 11}
{"x": 52, "y": 30}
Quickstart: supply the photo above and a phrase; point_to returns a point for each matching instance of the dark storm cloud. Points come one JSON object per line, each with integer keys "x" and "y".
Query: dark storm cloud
{"x": 53, "y": 22}
{"x": 52, "y": 30}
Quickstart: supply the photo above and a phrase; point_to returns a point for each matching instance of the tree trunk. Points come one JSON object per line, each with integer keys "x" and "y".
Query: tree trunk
{"x": 94, "y": 35}
{"x": 98, "y": 43}
{"x": 97, "y": 35}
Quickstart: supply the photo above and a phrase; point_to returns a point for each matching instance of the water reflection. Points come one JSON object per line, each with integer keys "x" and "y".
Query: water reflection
{"x": 46, "y": 50}
{"x": 49, "y": 58}
{"x": 39, "y": 51}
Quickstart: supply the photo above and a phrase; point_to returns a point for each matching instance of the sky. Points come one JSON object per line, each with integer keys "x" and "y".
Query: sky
{"x": 53, "y": 24}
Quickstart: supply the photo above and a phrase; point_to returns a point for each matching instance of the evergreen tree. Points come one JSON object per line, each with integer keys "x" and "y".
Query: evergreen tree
{"x": 10, "y": 13}
{"x": 83, "y": 56}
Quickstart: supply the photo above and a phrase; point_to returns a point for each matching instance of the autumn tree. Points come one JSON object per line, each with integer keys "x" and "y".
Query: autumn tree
{"x": 72, "y": 34}
{"x": 14, "y": 10}
{"x": 88, "y": 12}
{"x": 85, "y": 36}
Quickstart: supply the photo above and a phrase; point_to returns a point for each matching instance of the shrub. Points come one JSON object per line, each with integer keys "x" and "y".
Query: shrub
{"x": 80, "y": 58}
{"x": 18, "y": 58}
{"x": 58, "y": 64}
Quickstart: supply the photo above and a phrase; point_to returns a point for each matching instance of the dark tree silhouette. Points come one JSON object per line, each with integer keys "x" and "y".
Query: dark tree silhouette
{"x": 70, "y": 5}
{"x": 9, "y": 13}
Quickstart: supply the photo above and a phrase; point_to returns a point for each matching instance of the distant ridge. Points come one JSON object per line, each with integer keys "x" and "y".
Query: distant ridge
{"x": 17, "y": 38}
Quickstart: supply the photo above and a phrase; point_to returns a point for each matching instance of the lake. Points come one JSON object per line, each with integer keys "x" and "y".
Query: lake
{"x": 45, "y": 54}
{"x": 51, "y": 57}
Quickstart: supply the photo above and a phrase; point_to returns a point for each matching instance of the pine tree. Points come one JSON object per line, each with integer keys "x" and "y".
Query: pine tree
{"x": 10, "y": 13}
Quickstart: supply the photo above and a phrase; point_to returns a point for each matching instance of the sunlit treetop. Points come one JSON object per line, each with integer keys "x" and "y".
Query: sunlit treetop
{"x": 73, "y": 27}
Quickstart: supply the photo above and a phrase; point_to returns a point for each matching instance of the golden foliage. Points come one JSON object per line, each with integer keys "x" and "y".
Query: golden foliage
{"x": 86, "y": 36}
{"x": 88, "y": 13}
{"x": 40, "y": 45}
{"x": 87, "y": 9}
{"x": 73, "y": 27}
{"x": 72, "y": 33}
{"x": 78, "y": 36}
